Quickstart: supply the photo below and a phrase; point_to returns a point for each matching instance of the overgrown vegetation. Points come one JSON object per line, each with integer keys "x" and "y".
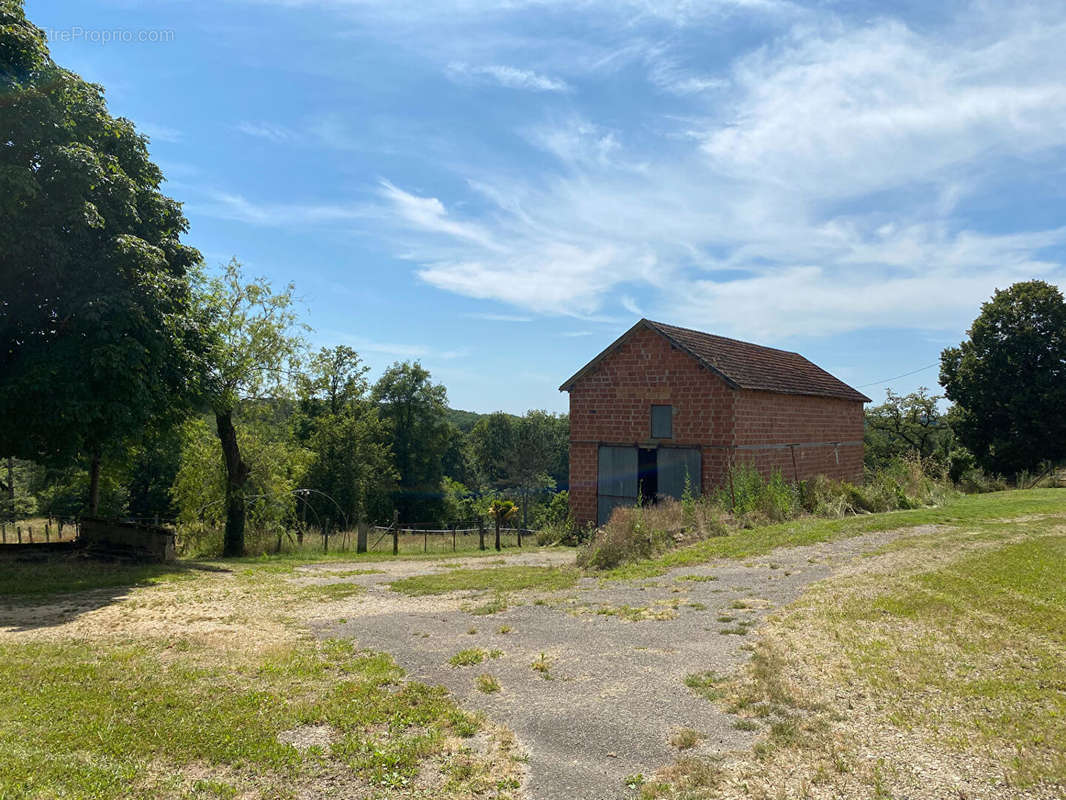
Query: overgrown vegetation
{"x": 751, "y": 500}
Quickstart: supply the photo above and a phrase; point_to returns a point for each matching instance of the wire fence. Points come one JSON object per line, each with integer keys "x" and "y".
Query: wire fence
{"x": 407, "y": 538}
{"x": 38, "y": 530}
{"x": 400, "y": 538}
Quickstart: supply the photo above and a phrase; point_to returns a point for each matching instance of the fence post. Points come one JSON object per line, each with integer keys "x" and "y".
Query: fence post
{"x": 3, "y": 526}
{"x": 48, "y": 531}
{"x": 732, "y": 491}
{"x": 520, "y": 537}
{"x": 19, "y": 533}
{"x": 325, "y": 538}
{"x": 453, "y": 537}
{"x": 425, "y": 546}
{"x": 360, "y": 536}
{"x": 395, "y": 533}
{"x": 30, "y": 529}
{"x": 481, "y": 533}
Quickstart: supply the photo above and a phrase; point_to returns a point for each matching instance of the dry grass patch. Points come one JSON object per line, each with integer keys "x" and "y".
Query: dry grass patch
{"x": 208, "y": 685}
{"x": 685, "y": 738}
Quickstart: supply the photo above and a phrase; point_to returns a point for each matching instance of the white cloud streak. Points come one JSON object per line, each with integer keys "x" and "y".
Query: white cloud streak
{"x": 508, "y": 77}
{"x": 821, "y": 195}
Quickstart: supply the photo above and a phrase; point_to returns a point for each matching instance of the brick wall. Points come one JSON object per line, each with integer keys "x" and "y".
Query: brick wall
{"x": 612, "y": 405}
{"x": 766, "y": 418}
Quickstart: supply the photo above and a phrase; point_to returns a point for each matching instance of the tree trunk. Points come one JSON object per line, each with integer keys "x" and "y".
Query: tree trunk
{"x": 497, "y": 533}
{"x": 94, "y": 485}
{"x": 236, "y": 476}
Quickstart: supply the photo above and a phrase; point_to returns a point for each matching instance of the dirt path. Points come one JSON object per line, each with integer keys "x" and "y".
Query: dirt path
{"x": 618, "y": 653}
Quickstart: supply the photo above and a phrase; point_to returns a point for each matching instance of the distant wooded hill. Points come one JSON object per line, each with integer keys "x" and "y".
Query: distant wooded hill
{"x": 466, "y": 420}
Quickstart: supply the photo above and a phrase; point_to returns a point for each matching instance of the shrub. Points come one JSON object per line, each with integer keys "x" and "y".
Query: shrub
{"x": 636, "y": 533}
{"x": 754, "y": 499}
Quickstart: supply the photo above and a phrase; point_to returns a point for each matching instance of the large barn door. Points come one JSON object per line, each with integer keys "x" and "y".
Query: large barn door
{"x": 617, "y": 485}
{"x": 676, "y": 464}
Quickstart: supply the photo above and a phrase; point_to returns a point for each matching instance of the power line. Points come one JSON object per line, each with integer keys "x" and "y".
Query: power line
{"x": 904, "y": 375}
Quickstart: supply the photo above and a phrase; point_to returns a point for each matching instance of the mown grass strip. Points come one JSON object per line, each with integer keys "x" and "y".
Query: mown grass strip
{"x": 499, "y": 579}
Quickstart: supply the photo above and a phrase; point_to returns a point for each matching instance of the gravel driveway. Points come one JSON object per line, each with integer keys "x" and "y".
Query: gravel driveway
{"x": 617, "y": 654}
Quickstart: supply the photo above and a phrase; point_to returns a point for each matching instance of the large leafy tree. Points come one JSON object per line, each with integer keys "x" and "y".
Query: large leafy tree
{"x": 255, "y": 345}
{"x": 351, "y": 467}
{"x": 96, "y": 340}
{"x": 415, "y": 410}
{"x": 1008, "y": 379}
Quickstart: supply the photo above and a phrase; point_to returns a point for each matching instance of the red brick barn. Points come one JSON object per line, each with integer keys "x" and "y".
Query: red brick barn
{"x": 664, "y": 406}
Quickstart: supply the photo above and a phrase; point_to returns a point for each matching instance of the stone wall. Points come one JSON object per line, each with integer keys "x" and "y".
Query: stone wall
{"x": 144, "y": 542}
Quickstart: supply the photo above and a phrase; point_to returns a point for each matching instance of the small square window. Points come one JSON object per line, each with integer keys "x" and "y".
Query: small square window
{"x": 662, "y": 422}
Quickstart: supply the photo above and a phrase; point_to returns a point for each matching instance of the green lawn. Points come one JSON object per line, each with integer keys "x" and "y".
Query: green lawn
{"x": 187, "y": 682}
{"x": 984, "y": 636}
{"x": 946, "y": 648}
{"x": 178, "y": 681}
{"x": 78, "y": 719}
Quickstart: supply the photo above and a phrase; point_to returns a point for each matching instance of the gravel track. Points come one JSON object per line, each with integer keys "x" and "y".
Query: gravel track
{"x": 616, "y": 690}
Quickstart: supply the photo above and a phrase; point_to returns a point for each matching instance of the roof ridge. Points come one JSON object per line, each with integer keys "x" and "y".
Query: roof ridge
{"x": 742, "y": 365}
{"x": 726, "y": 338}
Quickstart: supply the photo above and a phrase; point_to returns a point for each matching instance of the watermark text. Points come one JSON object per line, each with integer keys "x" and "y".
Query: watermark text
{"x": 76, "y": 33}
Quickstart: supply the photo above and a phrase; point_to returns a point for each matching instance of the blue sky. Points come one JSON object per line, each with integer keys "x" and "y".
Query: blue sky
{"x": 499, "y": 189}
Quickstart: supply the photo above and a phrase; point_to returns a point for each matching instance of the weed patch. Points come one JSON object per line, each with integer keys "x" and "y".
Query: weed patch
{"x": 468, "y": 657}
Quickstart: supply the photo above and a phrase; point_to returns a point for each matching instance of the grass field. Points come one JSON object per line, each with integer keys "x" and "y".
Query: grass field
{"x": 944, "y": 654}
{"x": 936, "y": 665}
{"x": 200, "y": 681}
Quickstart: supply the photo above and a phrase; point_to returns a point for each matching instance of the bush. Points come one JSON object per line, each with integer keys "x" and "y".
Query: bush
{"x": 637, "y": 533}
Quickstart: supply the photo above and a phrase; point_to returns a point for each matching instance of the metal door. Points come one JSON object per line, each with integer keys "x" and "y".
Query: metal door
{"x": 617, "y": 484}
{"x": 676, "y": 466}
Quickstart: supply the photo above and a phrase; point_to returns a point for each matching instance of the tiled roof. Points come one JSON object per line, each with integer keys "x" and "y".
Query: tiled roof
{"x": 742, "y": 365}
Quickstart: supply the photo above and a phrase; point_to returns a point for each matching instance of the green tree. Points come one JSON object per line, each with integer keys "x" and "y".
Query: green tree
{"x": 903, "y": 425}
{"x": 351, "y": 467}
{"x": 255, "y": 345}
{"x": 95, "y": 325}
{"x": 492, "y": 440}
{"x": 538, "y": 437}
{"x": 1008, "y": 379}
{"x": 275, "y": 468}
{"x": 415, "y": 410}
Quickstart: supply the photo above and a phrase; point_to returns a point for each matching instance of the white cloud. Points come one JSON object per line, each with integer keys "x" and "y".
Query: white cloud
{"x": 509, "y": 77}
{"x": 743, "y": 217}
{"x": 272, "y": 132}
{"x": 428, "y": 215}
{"x": 491, "y": 317}
{"x": 577, "y": 141}
{"x": 226, "y": 205}
{"x": 845, "y": 112}
{"x": 159, "y": 133}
